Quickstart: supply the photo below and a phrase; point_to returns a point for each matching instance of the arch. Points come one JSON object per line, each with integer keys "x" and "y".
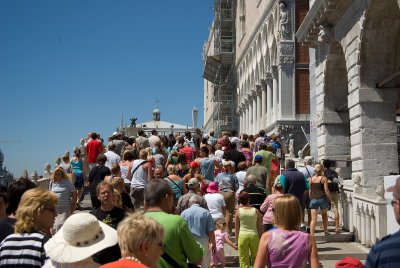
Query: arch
{"x": 336, "y": 121}
{"x": 263, "y": 39}
{"x": 273, "y": 52}
{"x": 270, "y": 31}
{"x": 379, "y": 40}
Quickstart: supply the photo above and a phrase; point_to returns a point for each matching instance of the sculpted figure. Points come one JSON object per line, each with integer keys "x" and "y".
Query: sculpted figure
{"x": 47, "y": 173}
{"x": 291, "y": 148}
{"x": 284, "y": 21}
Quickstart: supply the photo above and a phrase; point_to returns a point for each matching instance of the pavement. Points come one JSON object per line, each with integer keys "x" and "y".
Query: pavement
{"x": 331, "y": 248}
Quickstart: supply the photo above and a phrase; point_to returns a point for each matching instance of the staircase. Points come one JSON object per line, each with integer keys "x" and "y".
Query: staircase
{"x": 331, "y": 248}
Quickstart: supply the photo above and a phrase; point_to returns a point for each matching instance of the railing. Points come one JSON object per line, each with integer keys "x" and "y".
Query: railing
{"x": 365, "y": 216}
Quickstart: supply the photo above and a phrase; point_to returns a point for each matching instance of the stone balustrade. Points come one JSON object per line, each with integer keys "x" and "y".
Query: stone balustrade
{"x": 362, "y": 215}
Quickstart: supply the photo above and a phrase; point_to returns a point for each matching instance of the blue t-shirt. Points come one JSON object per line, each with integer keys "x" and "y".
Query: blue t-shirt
{"x": 207, "y": 168}
{"x": 227, "y": 182}
{"x": 385, "y": 253}
{"x": 199, "y": 220}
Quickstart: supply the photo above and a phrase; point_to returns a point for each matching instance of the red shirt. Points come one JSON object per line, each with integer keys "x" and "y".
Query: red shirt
{"x": 189, "y": 153}
{"x": 93, "y": 149}
{"x": 124, "y": 264}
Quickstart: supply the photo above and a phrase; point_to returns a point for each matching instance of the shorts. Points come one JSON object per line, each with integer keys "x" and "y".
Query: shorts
{"x": 335, "y": 198}
{"x": 229, "y": 198}
{"x": 79, "y": 180}
{"x": 319, "y": 203}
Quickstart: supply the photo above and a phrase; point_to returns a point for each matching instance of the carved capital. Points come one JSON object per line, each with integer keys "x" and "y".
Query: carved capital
{"x": 268, "y": 76}
{"x": 286, "y": 48}
{"x": 258, "y": 89}
{"x": 286, "y": 59}
{"x": 254, "y": 93}
{"x": 325, "y": 34}
{"x": 274, "y": 71}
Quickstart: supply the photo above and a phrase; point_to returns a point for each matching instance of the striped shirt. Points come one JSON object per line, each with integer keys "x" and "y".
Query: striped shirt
{"x": 63, "y": 189}
{"x": 23, "y": 250}
{"x": 385, "y": 253}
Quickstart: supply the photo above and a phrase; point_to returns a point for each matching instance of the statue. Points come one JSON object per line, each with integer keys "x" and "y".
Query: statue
{"x": 25, "y": 174}
{"x": 57, "y": 162}
{"x": 34, "y": 176}
{"x": 300, "y": 161}
{"x": 325, "y": 34}
{"x": 285, "y": 22}
{"x": 47, "y": 173}
{"x": 291, "y": 148}
{"x": 133, "y": 121}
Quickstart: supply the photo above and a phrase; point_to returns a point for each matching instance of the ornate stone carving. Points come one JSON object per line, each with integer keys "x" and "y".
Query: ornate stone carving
{"x": 267, "y": 76}
{"x": 254, "y": 93}
{"x": 286, "y": 48}
{"x": 380, "y": 192}
{"x": 285, "y": 31}
{"x": 274, "y": 71}
{"x": 286, "y": 59}
{"x": 34, "y": 176}
{"x": 291, "y": 148}
{"x": 325, "y": 34}
{"x": 258, "y": 89}
{"x": 47, "y": 173}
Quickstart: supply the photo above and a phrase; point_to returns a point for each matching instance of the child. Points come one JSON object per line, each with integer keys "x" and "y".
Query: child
{"x": 221, "y": 236}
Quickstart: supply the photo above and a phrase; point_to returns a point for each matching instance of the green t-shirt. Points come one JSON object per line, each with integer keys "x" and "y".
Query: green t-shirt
{"x": 267, "y": 157}
{"x": 178, "y": 240}
{"x": 261, "y": 173}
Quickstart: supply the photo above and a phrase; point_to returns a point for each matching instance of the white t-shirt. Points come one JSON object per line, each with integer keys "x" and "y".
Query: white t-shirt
{"x": 215, "y": 202}
{"x": 112, "y": 159}
{"x": 240, "y": 175}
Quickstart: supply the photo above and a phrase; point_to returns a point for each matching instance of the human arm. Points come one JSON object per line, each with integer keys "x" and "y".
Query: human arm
{"x": 230, "y": 243}
{"x": 211, "y": 237}
{"x": 313, "y": 257}
{"x": 262, "y": 252}
{"x": 264, "y": 205}
{"x": 259, "y": 223}
{"x": 237, "y": 226}
{"x": 149, "y": 167}
{"x": 327, "y": 192}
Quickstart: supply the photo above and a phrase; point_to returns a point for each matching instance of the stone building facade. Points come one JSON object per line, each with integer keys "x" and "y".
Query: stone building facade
{"x": 270, "y": 69}
{"x": 354, "y": 88}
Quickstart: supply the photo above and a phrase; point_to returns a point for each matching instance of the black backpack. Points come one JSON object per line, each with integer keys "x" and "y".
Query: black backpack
{"x": 333, "y": 180}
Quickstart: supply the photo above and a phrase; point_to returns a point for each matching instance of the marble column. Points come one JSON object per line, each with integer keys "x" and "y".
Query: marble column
{"x": 260, "y": 124}
{"x": 275, "y": 92}
{"x": 249, "y": 113}
{"x": 263, "y": 104}
{"x": 268, "y": 83}
{"x": 246, "y": 116}
{"x": 254, "y": 114}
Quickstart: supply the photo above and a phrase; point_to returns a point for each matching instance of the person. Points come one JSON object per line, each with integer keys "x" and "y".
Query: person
{"x": 333, "y": 184}
{"x": 228, "y": 184}
{"x": 215, "y": 201}
{"x": 183, "y": 201}
{"x": 385, "y": 253}
{"x": 175, "y": 182}
{"x": 141, "y": 242}
{"x": 126, "y": 168}
{"x": 287, "y": 246}
{"x": 96, "y": 176}
{"x": 261, "y": 139}
{"x": 112, "y": 157}
{"x": 245, "y": 149}
{"x": 111, "y": 215}
{"x": 35, "y": 216}
{"x": 118, "y": 185}
{"x": 256, "y": 194}
{"x": 188, "y": 151}
{"x": 241, "y": 175}
{"x": 159, "y": 173}
{"x": 180, "y": 245}
{"x": 221, "y": 236}
{"x": 211, "y": 139}
{"x": 293, "y": 181}
{"x": 266, "y": 154}
{"x": 93, "y": 149}
{"x": 118, "y": 140}
{"x": 158, "y": 154}
{"x": 81, "y": 236}
{"x": 207, "y": 164}
{"x": 3, "y": 205}
{"x": 308, "y": 172}
{"x": 66, "y": 193}
{"x": 248, "y": 228}
{"x": 320, "y": 198}
{"x": 77, "y": 169}
{"x": 154, "y": 139}
{"x": 141, "y": 141}
{"x": 15, "y": 191}
{"x": 201, "y": 225}
{"x": 267, "y": 207}
{"x": 182, "y": 167}
{"x": 260, "y": 172}
{"x": 234, "y": 155}
{"x": 141, "y": 174}
{"x": 66, "y": 163}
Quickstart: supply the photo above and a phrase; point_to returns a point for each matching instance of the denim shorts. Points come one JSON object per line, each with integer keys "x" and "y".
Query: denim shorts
{"x": 319, "y": 203}
{"x": 79, "y": 180}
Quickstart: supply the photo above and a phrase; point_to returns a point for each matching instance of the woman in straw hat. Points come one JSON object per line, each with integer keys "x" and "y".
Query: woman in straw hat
{"x": 81, "y": 236}
{"x": 35, "y": 216}
{"x": 141, "y": 241}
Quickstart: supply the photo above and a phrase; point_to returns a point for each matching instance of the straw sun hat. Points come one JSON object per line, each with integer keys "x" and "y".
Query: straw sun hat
{"x": 81, "y": 236}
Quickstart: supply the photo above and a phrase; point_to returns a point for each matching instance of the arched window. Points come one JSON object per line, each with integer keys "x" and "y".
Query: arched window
{"x": 242, "y": 18}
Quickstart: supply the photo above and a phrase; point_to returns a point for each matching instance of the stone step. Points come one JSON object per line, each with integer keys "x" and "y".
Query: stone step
{"x": 338, "y": 250}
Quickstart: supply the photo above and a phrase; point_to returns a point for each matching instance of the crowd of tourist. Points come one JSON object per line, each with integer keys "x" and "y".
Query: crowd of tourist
{"x": 171, "y": 202}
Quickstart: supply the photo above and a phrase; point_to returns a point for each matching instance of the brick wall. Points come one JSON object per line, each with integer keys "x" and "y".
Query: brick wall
{"x": 302, "y": 91}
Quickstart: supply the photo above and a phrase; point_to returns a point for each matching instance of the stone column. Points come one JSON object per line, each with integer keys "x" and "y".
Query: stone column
{"x": 246, "y": 116}
{"x": 275, "y": 92}
{"x": 254, "y": 98}
{"x": 264, "y": 105}
{"x": 260, "y": 122}
{"x": 249, "y": 114}
{"x": 268, "y": 83}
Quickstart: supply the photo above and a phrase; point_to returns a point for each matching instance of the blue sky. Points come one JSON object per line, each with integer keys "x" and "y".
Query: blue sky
{"x": 71, "y": 67}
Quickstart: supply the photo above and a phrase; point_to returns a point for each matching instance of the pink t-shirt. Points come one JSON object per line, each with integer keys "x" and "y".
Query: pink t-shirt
{"x": 267, "y": 207}
{"x": 220, "y": 238}
{"x": 287, "y": 249}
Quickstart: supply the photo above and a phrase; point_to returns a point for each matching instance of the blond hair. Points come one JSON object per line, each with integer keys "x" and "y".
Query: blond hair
{"x": 136, "y": 229}
{"x": 64, "y": 173}
{"x": 118, "y": 198}
{"x": 32, "y": 203}
{"x": 118, "y": 184}
{"x": 171, "y": 169}
{"x": 319, "y": 170}
{"x": 220, "y": 224}
{"x": 287, "y": 213}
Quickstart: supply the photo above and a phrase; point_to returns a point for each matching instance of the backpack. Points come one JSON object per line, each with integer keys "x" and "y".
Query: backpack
{"x": 333, "y": 181}
{"x": 190, "y": 142}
